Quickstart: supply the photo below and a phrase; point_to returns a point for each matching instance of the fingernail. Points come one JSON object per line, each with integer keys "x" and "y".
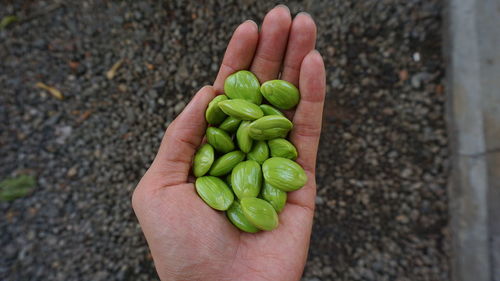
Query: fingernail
{"x": 253, "y": 22}
{"x": 282, "y": 6}
{"x": 305, "y": 14}
{"x": 314, "y": 53}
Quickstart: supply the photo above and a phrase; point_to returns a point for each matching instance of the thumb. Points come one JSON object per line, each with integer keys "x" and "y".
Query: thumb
{"x": 173, "y": 160}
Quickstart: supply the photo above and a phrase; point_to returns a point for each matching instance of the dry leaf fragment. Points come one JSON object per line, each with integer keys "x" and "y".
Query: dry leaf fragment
{"x": 8, "y": 20}
{"x": 112, "y": 71}
{"x": 403, "y": 75}
{"x": 73, "y": 64}
{"x": 53, "y": 91}
{"x": 13, "y": 188}
{"x": 84, "y": 116}
{"x": 10, "y": 215}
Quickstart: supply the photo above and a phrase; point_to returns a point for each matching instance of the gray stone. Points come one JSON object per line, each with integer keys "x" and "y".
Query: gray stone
{"x": 474, "y": 125}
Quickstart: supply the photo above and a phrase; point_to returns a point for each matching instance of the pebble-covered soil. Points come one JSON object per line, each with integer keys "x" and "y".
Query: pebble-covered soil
{"x": 383, "y": 163}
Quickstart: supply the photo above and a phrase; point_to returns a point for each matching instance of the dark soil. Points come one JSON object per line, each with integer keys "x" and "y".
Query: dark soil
{"x": 382, "y": 168}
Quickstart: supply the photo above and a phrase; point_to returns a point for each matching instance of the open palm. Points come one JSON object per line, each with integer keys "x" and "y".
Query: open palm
{"x": 188, "y": 239}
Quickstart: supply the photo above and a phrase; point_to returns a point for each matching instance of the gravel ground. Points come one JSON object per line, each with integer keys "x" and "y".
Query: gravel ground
{"x": 381, "y": 205}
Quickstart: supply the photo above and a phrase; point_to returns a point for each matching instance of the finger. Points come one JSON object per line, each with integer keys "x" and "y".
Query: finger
{"x": 239, "y": 52}
{"x": 308, "y": 116}
{"x": 272, "y": 43}
{"x": 307, "y": 124}
{"x": 182, "y": 138}
{"x": 301, "y": 41}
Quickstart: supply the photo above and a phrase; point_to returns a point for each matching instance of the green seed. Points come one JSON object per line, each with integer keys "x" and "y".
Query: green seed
{"x": 269, "y": 127}
{"x": 269, "y": 110}
{"x": 214, "y": 192}
{"x": 214, "y": 115}
{"x": 243, "y": 138}
{"x": 219, "y": 139}
{"x": 259, "y": 213}
{"x": 241, "y": 109}
{"x": 282, "y": 148}
{"x": 236, "y": 216}
{"x": 259, "y": 152}
{"x": 203, "y": 160}
{"x": 280, "y": 93}
{"x": 243, "y": 85}
{"x": 226, "y": 163}
{"x": 227, "y": 179}
{"x": 246, "y": 178}
{"x": 275, "y": 196}
{"x": 230, "y": 124}
{"x": 284, "y": 174}
{"x": 243, "y": 127}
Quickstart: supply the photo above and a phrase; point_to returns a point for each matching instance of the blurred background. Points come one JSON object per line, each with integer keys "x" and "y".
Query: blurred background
{"x": 88, "y": 87}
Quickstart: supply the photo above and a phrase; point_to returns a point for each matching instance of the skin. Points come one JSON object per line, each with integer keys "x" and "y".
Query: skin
{"x": 189, "y": 240}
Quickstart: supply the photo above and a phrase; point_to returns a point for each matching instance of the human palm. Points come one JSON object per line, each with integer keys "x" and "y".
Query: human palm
{"x": 189, "y": 240}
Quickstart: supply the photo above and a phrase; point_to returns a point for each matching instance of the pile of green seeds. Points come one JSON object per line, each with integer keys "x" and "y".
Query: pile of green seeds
{"x": 247, "y": 165}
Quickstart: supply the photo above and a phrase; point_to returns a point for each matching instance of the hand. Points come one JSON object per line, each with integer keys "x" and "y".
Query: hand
{"x": 188, "y": 239}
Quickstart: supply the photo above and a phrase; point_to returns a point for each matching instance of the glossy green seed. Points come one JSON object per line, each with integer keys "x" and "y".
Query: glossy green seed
{"x": 269, "y": 127}
{"x": 269, "y": 110}
{"x": 241, "y": 109}
{"x": 275, "y": 196}
{"x": 259, "y": 152}
{"x": 219, "y": 139}
{"x": 243, "y": 85}
{"x": 214, "y": 115}
{"x": 203, "y": 160}
{"x": 236, "y": 216}
{"x": 259, "y": 213}
{"x": 284, "y": 174}
{"x": 226, "y": 163}
{"x": 246, "y": 178}
{"x": 214, "y": 192}
{"x": 230, "y": 124}
{"x": 227, "y": 179}
{"x": 243, "y": 138}
{"x": 280, "y": 93}
{"x": 282, "y": 148}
